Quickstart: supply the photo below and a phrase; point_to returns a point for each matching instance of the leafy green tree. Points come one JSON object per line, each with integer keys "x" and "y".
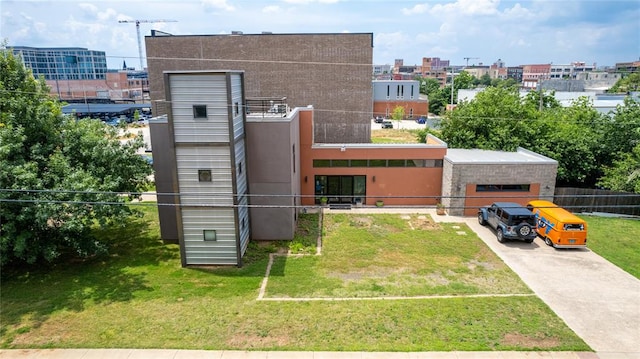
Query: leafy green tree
{"x": 621, "y": 132}
{"x": 496, "y": 119}
{"x": 398, "y": 114}
{"x": 485, "y": 80}
{"x": 499, "y": 119}
{"x": 624, "y": 175}
{"x": 569, "y": 136}
{"x": 59, "y": 176}
{"x": 628, "y": 83}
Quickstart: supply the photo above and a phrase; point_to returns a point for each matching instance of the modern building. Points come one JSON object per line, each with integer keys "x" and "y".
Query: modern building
{"x": 63, "y": 63}
{"x": 570, "y": 71}
{"x": 387, "y": 95}
{"x": 117, "y": 86}
{"x": 330, "y": 71}
{"x": 233, "y": 169}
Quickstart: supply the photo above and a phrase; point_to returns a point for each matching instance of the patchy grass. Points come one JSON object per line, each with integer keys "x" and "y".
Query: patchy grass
{"x": 371, "y": 255}
{"x": 617, "y": 240}
{"x": 394, "y": 135}
{"x": 140, "y": 297}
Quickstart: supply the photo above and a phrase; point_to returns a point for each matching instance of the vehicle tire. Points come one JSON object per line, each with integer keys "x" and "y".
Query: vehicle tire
{"x": 548, "y": 241}
{"x": 500, "y": 235}
{"x": 530, "y": 240}
{"x": 524, "y": 230}
{"x": 481, "y": 219}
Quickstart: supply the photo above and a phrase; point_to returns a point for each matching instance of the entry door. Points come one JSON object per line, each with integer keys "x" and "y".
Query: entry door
{"x": 346, "y": 189}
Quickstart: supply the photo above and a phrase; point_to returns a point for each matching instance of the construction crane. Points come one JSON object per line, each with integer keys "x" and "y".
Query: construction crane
{"x": 469, "y": 58}
{"x": 137, "y": 22}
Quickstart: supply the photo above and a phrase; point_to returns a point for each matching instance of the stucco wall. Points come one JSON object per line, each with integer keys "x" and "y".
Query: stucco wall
{"x": 270, "y": 160}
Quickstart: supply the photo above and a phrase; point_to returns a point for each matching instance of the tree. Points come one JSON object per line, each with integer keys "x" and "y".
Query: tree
{"x": 60, "y": 176}
{"x": 624, "y": 175}
{"x": 398, "y": 114}
{"x": 628, "y": 83}
{"x": 499, "y": 119}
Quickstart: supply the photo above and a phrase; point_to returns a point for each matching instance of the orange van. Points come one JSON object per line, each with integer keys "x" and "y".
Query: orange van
{"x": 558, "y": 227}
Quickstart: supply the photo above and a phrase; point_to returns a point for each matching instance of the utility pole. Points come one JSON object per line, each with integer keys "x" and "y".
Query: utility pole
{"x": 137, "y": 22}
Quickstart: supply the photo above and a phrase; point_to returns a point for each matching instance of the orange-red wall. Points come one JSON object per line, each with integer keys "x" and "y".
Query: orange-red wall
{"x": 389, "y": 181}
{"x": 420, "y": 108}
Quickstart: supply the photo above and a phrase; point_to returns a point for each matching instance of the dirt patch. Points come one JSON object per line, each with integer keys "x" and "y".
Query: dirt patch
{"x": 252, "y": 341}
{"x": 473, "y": 264}
{"x": 423, "y": 223}
{"x": 525, "y": 341}
{"x": 362, "y": 222}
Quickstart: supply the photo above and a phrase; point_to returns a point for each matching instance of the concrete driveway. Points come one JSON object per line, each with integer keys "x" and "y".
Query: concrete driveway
{"x": 598, "y": 301}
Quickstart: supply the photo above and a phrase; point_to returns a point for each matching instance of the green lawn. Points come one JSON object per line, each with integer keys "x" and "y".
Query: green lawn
{"x": 617, "y": 240}
{"x": 388, "y": 255}
{"x": 140, "y": 297}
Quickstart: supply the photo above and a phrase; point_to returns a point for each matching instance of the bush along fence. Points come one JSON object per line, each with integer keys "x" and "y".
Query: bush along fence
{"x": 597, "y": 200}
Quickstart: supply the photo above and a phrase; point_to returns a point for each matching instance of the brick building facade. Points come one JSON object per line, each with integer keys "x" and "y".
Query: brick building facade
{"x": 332, "y": 72}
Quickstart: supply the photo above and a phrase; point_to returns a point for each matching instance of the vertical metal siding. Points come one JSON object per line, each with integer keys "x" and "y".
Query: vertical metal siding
{"x": 236, "y": 97}
{"x": 209, "y": 90}
{"x": 243, "y": 214}
{"x": 241, "y": 178}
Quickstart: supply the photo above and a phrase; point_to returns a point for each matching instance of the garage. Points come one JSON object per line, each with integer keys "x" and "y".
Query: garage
{"x": 473, "y": 178}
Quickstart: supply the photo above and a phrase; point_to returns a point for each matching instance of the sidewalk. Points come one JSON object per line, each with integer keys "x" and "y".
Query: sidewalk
{"x": 228, "y": 354}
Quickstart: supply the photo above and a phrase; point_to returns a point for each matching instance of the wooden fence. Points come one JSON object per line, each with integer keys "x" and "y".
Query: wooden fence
{"x": 597, "y": 200}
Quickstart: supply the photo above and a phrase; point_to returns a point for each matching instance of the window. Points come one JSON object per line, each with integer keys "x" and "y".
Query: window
{"x": 204, "y": 175}
{"x": 293, "y": 151}
{"x": 210, "y": 235}
{"x": 321, "y": 163}
{"x": 199, "y": 111}
{"x": 377, "y": 163}
{"x": 396, "y": 163}
{"x": 339, "y": 163}
{"x": 502, "y": 188}
{"x": 358, "y": 163}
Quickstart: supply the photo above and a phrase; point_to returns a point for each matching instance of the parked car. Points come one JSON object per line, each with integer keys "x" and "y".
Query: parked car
{"x": 387, "y": 124}
{"x": 558, "y": 227}
{"x": 509, "y": 220}
{"x": 378, "y": 119}
{"x": 421, "y": 120}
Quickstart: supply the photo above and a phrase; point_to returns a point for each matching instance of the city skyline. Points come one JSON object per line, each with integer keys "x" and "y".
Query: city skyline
{"x": 517, "y": 32}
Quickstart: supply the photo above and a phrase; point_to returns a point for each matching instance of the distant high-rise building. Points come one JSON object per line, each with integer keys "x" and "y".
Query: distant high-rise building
{"x": 63, "y": 63}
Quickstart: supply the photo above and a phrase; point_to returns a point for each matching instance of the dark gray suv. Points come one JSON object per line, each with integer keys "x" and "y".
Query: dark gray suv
{"x": 510, "y": 221}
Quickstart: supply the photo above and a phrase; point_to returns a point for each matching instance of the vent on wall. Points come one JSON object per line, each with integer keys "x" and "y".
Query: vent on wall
{"x": 236, "y": 32}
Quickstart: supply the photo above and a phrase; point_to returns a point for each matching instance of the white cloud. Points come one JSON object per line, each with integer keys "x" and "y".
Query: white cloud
{"x": 416, "y": 10}
{"x": 305, "y": 2}
{"x": 465, "y": 7}
{"x": 217, "y": 4}
{"x": 271, "y": 9}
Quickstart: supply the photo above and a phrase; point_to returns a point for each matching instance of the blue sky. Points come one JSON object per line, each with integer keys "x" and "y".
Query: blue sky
{"x": 518, "y": 32}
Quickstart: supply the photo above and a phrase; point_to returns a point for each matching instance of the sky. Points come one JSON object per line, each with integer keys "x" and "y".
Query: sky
{"x": 517, "y": 32}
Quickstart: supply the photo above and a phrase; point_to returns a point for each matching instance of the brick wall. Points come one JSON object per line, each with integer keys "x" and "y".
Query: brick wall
{"x": 332, "y": 72}
{"x": 459, "y": 178}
